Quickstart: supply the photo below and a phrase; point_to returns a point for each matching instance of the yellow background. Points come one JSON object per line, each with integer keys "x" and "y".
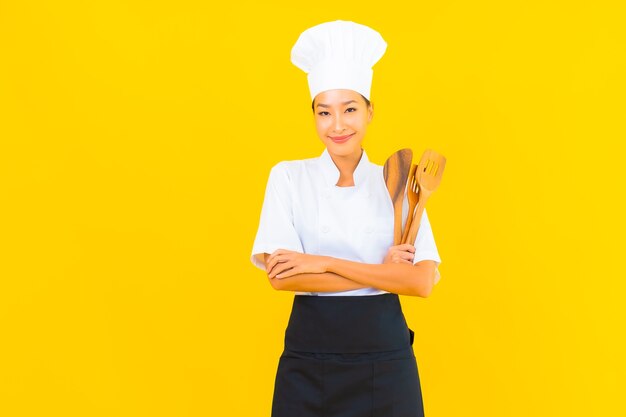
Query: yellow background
{"x": 136, "y": 139}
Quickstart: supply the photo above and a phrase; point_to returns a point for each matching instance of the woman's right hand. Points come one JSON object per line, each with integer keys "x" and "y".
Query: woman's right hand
{"x": 400, "y": 254}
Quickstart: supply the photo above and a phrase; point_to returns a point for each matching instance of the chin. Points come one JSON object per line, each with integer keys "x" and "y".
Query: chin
{"x": 339, "y": 151}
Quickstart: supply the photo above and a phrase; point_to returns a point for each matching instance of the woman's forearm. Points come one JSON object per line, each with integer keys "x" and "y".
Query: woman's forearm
{"x": 311, "y": 273}
{"x": 397, "y": 278}
{"x": 324, "y": 282}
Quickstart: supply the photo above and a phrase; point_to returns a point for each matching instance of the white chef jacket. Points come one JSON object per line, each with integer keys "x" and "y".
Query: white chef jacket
{"x": 305, "y": 211}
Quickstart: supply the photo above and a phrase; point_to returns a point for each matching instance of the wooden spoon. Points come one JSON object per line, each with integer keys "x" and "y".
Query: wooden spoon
{"x": 412, "y": 192}
{"x": 429, "y": 172}
{"x": 396, "y": 172}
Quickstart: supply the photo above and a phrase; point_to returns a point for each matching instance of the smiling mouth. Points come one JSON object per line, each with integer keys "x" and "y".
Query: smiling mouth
{"x": 341, "y": 139}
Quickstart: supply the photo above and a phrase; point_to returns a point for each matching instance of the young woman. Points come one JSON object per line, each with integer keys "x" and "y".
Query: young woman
{"x": 326, "y": 233}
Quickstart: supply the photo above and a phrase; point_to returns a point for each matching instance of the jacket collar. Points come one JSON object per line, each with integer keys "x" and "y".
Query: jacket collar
{"x": 331, "y": 172}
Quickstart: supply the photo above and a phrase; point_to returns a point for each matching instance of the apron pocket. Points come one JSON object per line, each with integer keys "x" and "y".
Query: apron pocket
{"x": 397, "y": 390}
{"x": 298, "y": 388}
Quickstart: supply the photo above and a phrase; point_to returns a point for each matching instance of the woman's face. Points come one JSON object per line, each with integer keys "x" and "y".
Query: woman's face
{"x": 341, "y": 119}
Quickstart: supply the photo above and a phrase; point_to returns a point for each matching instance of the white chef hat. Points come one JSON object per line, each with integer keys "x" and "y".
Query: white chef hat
{"x": 338, "y": 55}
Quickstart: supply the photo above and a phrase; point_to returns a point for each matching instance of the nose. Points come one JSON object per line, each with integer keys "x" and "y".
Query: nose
{"x": 339, "y": 124}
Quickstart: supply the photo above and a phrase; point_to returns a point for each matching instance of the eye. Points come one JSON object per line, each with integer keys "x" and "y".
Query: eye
{"x": 323, "y": 113}
{"x": 350, "y": 109}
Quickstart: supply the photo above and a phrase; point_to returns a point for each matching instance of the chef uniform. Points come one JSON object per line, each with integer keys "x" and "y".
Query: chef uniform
{"x": 347, "y": 353}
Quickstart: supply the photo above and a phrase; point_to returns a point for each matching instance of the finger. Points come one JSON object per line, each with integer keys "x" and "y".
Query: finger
{"x": 281, "y": 267}
{"x": 272, "y": 269}
{"x": 402, "y": 249}
{"x": 403, "y": 261}
{"x": 272, "y": 264}
{"x": 275, "y": 254}
{"x": 270, "y": 261}
{"x": 407, "y": 247}
{"x": 280, "y": 271}
{"x": 401, "y": 257}
{"x": 278, "y": 258}
{"x": 408, "y": 256}
{"x": 288, "y": 273}
{"x": 278, "y": 252}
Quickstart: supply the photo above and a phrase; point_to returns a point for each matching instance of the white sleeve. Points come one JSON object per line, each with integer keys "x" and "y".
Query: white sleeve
{"x": 276, "y": 228}
{"x": 425, "y": 247}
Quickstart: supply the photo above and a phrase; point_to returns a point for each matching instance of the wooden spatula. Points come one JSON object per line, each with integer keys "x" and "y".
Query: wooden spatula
{"x": 396, "y": 172}
{"x": 412, "y": 190}
{"x": 429, "y": 172}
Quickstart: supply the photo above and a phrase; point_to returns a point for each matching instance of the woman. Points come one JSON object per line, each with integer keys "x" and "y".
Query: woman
{"x": 326, "y": 233}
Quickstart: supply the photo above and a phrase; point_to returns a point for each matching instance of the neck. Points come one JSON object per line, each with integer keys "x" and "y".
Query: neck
{"x": 347, "y": 165}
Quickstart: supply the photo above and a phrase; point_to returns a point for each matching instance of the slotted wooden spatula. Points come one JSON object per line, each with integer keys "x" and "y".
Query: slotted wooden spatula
{"x": 396, "y": 172}
{"x": 429, "y": 172}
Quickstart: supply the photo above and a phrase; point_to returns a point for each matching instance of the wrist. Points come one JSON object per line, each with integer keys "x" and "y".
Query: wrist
{"x": 329, "y": 264}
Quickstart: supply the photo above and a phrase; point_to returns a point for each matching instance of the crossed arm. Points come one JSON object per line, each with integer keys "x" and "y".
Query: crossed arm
{"x": 294, "y": 271}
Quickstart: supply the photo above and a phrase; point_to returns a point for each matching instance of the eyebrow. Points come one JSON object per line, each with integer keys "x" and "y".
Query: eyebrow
{"x": 328, "y": 105}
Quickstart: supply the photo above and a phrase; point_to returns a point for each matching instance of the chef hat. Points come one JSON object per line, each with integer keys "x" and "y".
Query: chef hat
{"x": 338, "y": 55}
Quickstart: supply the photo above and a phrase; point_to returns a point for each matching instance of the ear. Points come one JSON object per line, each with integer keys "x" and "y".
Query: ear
{"x": 370, "y": 112}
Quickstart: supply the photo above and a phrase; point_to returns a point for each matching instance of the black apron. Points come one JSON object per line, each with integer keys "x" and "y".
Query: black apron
{"x": 347, "y": 356}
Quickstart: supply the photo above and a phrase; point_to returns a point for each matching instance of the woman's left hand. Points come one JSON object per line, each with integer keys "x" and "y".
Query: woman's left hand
{"x": 400, "y": 254}
{"x": 285, "y": 263}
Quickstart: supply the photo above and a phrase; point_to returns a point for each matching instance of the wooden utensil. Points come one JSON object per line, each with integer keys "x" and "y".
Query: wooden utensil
{"x": 429, "y": 172}
{"x": 396, "y": 172}
{"x": 412, "y": 193}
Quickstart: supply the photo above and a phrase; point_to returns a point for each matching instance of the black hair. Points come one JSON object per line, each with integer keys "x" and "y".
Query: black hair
{"x": 367, "y": 102}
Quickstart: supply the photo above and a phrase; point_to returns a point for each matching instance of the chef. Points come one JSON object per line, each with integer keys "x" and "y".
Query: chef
{"x": 326, "y": 233}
